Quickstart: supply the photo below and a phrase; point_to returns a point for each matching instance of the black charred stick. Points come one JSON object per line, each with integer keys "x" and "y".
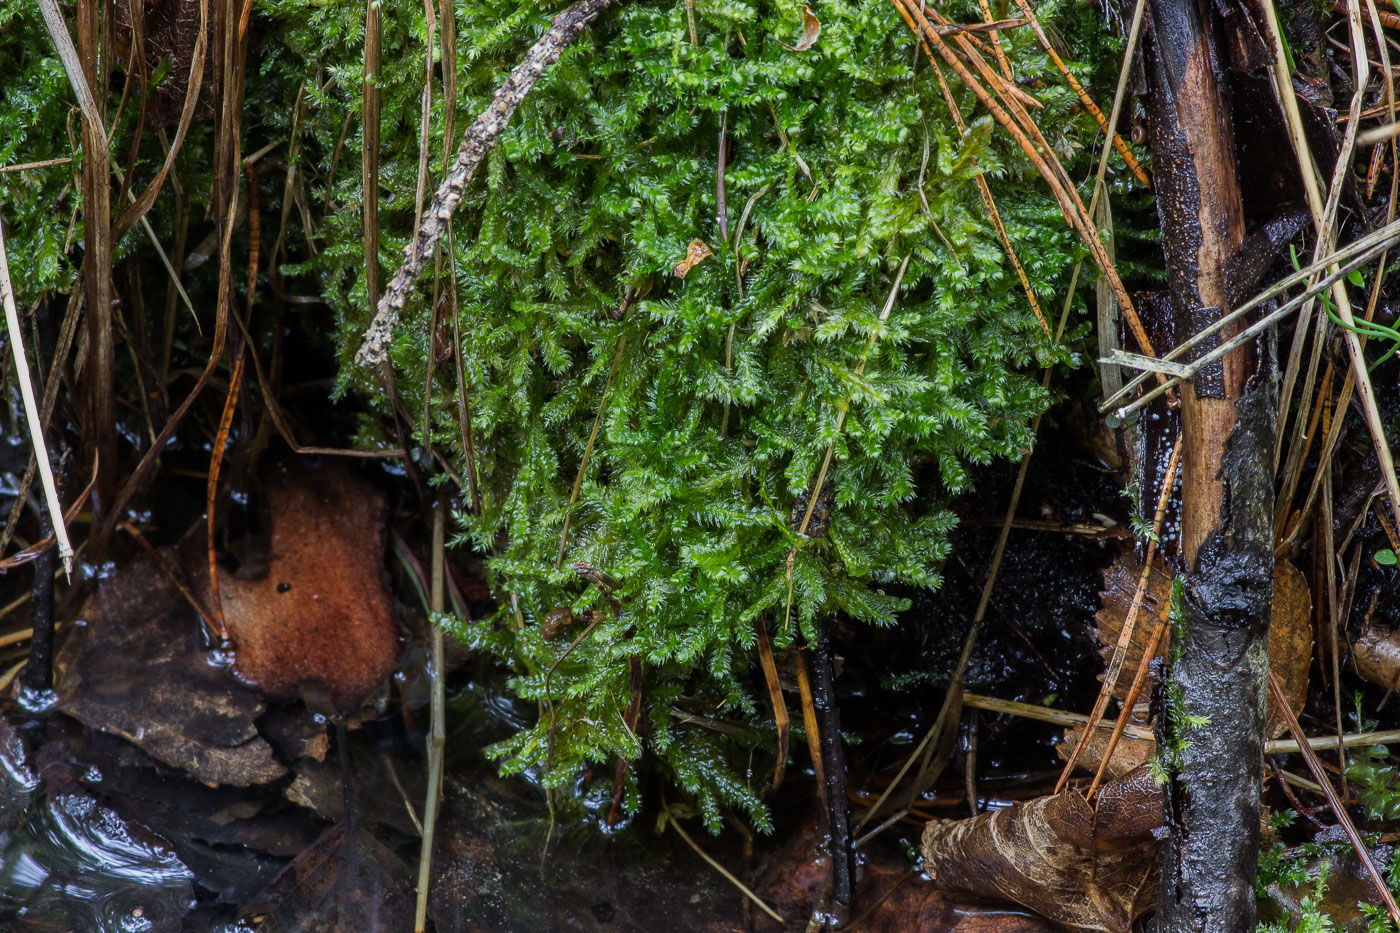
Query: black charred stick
{"x": 843, "y": 854}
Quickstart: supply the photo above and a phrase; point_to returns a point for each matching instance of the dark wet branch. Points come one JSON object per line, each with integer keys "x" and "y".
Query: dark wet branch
{"x": 834, "y": 766}
{"x": 37, "y": 678}
{"x": 1214, "y": 722}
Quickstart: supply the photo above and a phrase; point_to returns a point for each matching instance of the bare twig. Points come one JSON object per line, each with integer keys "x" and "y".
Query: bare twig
{"x": 26, "y": 166}
{"x": 437, "y": 737}
{"x": 481, "y": 138}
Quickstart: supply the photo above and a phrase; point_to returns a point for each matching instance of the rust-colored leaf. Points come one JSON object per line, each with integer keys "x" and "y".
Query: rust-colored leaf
{"x": 1290, "y": 628}
{"x": 321, "y": 612}
{"x": 1087, "y": 867}
{"x": 696, "y": 253}
{"x": 811, "y": 29}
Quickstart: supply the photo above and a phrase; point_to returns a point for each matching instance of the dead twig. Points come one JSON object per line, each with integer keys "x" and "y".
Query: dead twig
{"x": 437, "y": 737}
{"x": 480, "y": 139}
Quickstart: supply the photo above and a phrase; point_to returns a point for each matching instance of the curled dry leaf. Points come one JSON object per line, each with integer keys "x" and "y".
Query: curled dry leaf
{"x": 1086, "y": 867}
{"x": 811, "y": 29}
{"x": 1290, "y": 626}
{"x": 321, "y": 613}
{"x": 697, "y": 252}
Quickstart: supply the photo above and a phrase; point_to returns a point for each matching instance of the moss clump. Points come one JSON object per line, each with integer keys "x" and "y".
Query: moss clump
{"x": 720, "y": 393}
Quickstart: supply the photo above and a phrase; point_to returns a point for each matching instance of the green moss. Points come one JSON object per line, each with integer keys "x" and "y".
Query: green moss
{"x": 607, "y": 174}
{"x": 728, "y": 390}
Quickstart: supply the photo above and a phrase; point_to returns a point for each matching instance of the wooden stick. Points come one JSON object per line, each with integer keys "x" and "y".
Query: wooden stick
{"x": 481, "y": 138}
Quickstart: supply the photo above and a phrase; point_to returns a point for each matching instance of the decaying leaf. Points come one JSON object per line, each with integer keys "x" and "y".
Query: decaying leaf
{"x": 891, "y": 896}
{"x": 1290, "y": 626}
{"x": 1375, "y": 655}
{"x": 1120, "y": 580}
{"x": 134, "y": 667}
{"x": 697, "y": 252}
{"x": 321, "y": 613}
{"x": 1086, "y": 867}
{"x": 1130, "y": 753}
{"x": 346, "y": 882}
{"x": 811, "y": 29}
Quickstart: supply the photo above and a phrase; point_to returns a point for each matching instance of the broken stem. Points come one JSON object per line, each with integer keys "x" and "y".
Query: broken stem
{"x": 437, "y": 737}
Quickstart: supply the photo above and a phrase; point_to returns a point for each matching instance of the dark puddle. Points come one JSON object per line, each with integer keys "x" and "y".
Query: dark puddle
{"x": 96, "y": 834}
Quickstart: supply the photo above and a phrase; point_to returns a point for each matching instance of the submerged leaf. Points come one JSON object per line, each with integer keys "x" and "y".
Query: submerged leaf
{"x": 135, "y": 667}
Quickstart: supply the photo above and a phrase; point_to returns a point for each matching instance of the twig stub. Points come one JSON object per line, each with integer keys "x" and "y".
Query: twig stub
{"x": 480, "y": 139}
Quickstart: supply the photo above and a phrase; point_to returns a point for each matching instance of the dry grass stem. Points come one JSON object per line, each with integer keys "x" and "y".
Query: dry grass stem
{"x": 31, "y": 410}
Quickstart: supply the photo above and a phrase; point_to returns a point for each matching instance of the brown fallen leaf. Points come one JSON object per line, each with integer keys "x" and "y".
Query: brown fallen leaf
{"x": 697, "y": 252}
{"x": 1375, "y": 656}
{"x": 1290, "y": 627}
{"x": 811, "y": 29}
{"x": 346, "y": 882}
{"x": 321, "y": 613}
{"x": 1130, "y": 753}
{"x": 1087, "y": 867}
{"x": 133, "y": 666}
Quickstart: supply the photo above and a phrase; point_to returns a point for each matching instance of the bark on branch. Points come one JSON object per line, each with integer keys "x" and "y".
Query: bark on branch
{"x": 1215, "y": 715}
{"x": 480, "y": 139}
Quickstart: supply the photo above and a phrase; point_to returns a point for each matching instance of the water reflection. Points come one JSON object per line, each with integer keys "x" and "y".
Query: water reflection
{"x": 69, "y": 863}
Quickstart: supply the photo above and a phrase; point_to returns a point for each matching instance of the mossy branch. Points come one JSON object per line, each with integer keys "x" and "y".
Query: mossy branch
{"x": 480, "y": 138}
